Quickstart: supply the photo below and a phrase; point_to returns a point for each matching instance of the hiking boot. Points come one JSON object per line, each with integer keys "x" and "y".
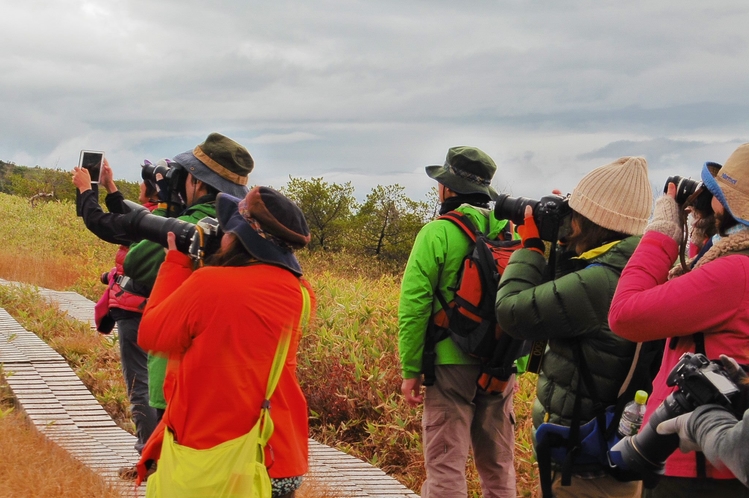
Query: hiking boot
{"x": 131, "y": 473}
{"x": 128, "y": 473}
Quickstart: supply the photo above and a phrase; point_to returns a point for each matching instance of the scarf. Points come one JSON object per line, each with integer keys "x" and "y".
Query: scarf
{"x": 453, "y": 203}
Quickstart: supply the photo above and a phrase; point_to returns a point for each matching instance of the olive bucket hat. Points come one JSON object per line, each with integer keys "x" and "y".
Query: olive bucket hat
{"x": 268, "y": 224}
{"x": 220, "y": 162}
{"x": 730, "y": 184}
{"x": 467, "y": 170}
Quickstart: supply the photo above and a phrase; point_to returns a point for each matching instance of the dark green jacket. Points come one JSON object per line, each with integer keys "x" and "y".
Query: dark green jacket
{"x": 142, "y": 264}
{"x": 572, "y": 307}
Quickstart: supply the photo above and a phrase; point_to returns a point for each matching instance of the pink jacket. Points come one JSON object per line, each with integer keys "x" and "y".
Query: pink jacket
{"x": 713, "y": 299}
{"x": 118, "y": 297}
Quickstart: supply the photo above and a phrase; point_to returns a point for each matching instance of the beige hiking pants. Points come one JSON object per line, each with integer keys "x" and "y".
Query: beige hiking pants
{"x": 457, "y": 416}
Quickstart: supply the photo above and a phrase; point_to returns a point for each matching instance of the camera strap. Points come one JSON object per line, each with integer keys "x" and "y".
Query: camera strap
{"x": 700, "y": 461}
{"x": 699, "y": 347}
{"x": 129, "y": 285}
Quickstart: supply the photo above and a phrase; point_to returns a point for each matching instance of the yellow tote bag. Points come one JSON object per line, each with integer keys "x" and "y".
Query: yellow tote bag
{"x": 232, "y": 469}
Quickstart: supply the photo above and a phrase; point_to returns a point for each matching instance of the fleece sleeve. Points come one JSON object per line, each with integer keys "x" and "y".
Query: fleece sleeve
{"x": 420, "y": 279}
{"x": 722, "y": 438}
{"x": 170, "y": 320}
{"x": 646, "y": 306}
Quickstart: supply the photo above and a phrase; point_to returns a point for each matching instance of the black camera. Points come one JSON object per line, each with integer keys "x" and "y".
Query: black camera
{"x": 169, "y": 178}
{"x": 151, "y": 171}
{"x": 551, "y": 214}
{"x": 196, "y": 240}
{"x": 699, "y": 381}
{"x": 685, "y": 188}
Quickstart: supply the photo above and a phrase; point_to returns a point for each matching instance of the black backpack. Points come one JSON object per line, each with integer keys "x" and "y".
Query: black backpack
{"x": 469, "y": 319}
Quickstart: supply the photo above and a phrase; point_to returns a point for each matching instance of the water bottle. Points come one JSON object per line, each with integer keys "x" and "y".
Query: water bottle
{"x": 632, "y": 415}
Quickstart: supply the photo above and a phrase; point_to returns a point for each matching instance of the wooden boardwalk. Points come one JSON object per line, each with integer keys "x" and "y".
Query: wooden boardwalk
{"x": 59, "y": 405}
{"x": 63, "y": 409}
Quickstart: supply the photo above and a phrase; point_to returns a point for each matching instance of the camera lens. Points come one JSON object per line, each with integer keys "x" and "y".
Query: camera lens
{"x": 150, "y": 171}
{"x": 143, "y": 225}
{"x": 645, "y": 454}
{"x": 513, "y": 208}
{"x": 684, "y": 187}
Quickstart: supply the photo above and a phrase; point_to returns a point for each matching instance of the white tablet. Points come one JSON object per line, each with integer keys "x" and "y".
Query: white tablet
{"x": 92, "y": 161}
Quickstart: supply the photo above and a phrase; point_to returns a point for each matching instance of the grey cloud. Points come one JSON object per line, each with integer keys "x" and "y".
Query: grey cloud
{"x": 655, "y": 149}
{"x": 383, "y": 87}
{"x": 663, "y": 153}
{"x": 693, "y": 116}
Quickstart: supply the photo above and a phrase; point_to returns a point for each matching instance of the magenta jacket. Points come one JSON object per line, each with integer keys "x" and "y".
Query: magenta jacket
{"x": 713, "y": 299}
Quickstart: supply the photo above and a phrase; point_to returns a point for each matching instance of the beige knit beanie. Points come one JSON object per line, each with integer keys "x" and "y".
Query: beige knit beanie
{"x": 617, "y": 196}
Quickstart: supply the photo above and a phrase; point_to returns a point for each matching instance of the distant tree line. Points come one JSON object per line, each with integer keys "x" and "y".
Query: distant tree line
{"x": 25, "y": 181}
{"x": 384, "y": 225}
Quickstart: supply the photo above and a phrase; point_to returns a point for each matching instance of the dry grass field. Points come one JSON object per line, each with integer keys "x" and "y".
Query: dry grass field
{"x": 33, "y": 467}
{"x": 353, "y": 340}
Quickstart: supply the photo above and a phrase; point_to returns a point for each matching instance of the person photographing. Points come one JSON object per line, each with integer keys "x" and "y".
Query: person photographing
{"x": 220, "y": 326}
{"x": 585, "y": 366}
{"x": 705, "y": 310}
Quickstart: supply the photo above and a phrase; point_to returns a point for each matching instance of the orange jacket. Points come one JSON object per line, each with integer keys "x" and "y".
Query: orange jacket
{"x": 220, "y": 327}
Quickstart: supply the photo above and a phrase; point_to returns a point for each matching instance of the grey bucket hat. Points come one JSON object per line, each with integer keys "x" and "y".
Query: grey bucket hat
{"x": 467, "y": 170}
{"x": 220, "y": 162}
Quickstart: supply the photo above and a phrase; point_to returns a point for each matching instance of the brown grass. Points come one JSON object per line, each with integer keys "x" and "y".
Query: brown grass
{"x": 31, "y": 466}
{"x": 51, "y": 273}
{"x": 316, "y": 488}
{"x": 353, "y": 342}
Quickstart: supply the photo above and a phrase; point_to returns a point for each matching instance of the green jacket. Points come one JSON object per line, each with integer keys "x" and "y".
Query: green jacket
{"x": 142, "y": 264}
{"x": 572, "y": 307}
{"x": 436, "y": 258}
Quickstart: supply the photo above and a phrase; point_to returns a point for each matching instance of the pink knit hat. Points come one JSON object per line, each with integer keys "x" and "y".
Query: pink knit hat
{"x": 617, "y": 196}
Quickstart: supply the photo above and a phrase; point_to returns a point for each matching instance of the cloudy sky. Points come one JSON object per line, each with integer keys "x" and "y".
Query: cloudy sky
{"x": 371, "y": 92}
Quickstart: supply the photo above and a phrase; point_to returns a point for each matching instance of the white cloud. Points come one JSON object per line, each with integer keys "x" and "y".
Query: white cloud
{"x": 374, "y": 91}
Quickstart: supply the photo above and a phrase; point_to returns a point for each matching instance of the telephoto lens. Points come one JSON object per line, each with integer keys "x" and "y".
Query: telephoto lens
{"x": 513, "y": 208}
{"x": 144, "y": 225}
{"x": 700, "y": 382}
{"x": 197, "y": 240}
{"x": 549, "y": 213}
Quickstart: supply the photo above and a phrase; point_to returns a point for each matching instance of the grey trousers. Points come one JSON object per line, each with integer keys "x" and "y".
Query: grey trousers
{"x": 135, "y": 371}
{"x": 457, "y": 417}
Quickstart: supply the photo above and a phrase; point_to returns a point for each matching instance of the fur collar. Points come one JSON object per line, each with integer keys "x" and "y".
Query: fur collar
{"x": 737, "y": 242}
{"x": 734, "y": 243}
